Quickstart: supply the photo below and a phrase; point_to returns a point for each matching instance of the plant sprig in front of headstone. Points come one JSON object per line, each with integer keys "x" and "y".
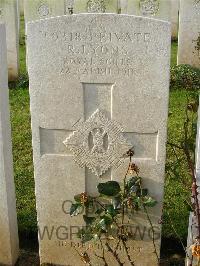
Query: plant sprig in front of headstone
{"x": 114, "y": 206}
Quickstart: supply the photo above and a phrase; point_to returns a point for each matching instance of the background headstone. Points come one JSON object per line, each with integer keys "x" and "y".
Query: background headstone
{"x": 189, "y": 33}
{"x": 9, "y": 247}
{"x": 192, "y": 226}
{"x": 9, "y": 16}
{"x": 85, "y": 69}
{"x": 21, "y": 7}
{"x": 160, "y": 9}
{"x": 40, "y": 9}
{"x": 95, "y": 6}
{"x": 174, "y": 18}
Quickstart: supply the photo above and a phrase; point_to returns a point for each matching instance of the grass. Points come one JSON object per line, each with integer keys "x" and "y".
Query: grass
{"x": 177, "y": 187}
{"x": 174, "y": 48}
{"x": 22, "y": 148}
{"x": 175, "y": 193}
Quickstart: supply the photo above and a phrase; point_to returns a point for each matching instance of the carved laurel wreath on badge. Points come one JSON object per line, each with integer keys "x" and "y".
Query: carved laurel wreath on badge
{"x": 149, "y": 7}
{"x": 43, "y": 10}
{"x": 96, "y": 6}
{"x": 98, "y": 143}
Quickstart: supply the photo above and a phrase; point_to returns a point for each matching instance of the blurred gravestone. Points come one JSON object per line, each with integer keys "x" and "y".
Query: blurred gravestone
{"x": 174, "y": 18}
{"x": 21, "y": 7}
{"x": 189, "y": 33}
{"x": 9, "y": 15}
{"x": 9, "y": 247}
{"x": 39, "y": 9}
{"x": 95, "y": 6}
{"x": 160, "y": 9}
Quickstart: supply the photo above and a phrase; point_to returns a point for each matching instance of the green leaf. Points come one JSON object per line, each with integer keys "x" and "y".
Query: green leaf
{"x": 110, "y": 210}
{"x": 149, "y": 201}
{"x": 89, "y": 220}
{"x": 85, "y": 235}
{"x": 105, "y": 222}
{"x": 77, "y": 198}
{"x": 137, "y": 202}
{"x": 134, "y": 189}
{"x": 132, "y": 182}
{"x": 110, "y": 188}
{"x": 144, "y": 192}
{"x": 99, "y": 211}
{"x": 75, "y": 209}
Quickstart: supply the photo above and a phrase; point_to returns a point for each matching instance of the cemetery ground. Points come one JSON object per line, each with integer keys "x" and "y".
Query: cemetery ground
{"x": 177, "y": 192}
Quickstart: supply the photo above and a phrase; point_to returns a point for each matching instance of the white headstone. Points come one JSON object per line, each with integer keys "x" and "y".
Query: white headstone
{"x": 160, "y": 9}
{"x": 40, "y": 9}
{"x": 95, "y": 6}
{"x": 193, "y": 226}
{"x": 189, "y": 33}
{"x": 174, "y": 17}
{"x": 8, "y": 219}
{"x": 92, "y": 71}
{"x": 9, "y": 16}
{"x": 21, "y": 6}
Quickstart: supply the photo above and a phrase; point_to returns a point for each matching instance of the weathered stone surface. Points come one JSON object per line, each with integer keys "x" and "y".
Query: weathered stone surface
{"x": 8, "y": 219}
{"x": 151, "y": 8}
{"x": 37, "y": 9}
{"x": 95, "y": 6}
{"x": 160, "y": 9}
{"x": 82, "y": 66}
{"x": 189, "y": 33}
{"x": 9, "y": 16}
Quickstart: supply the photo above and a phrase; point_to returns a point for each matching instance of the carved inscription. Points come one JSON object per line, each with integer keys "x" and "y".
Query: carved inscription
{"x": 99, "y": 52}
{"x": 96, "y": 6}
{"x": 97, "y": 246}
{"x": 149, "y": 7}
{"x": 69, "y": 6}
{"x": 43, "y": 10}
{"x": 102, "y": 37}
{"x": 98, "y": 143}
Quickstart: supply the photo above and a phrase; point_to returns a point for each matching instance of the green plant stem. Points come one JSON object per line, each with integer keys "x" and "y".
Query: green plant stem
{"x": 174, "y": 229}
{"x": 114, "y": 254}
{"x": 153, "y": 238}
{"x": 88, "y": 263}
{"x": 103, "y": 255}
{"x": 174, "y": 145}
{"x": 151, "y": 225}
{"x": 107, "y": 245}
{"x": 124, "y": 194}
{"x": 105, "y": 210}
{"x": 104, "y": 259}
{"x": 118, "y": 242}
{"x": 127, "y": 253}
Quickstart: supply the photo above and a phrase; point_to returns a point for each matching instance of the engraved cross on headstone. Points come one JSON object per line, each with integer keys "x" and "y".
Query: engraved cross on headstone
{"x": 96, "y": 141}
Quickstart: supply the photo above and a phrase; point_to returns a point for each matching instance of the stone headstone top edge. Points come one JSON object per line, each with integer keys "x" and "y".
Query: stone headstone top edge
{"x": 143, "y": 18}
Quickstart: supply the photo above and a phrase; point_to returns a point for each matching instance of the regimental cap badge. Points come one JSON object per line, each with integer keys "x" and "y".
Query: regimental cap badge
{"x": 98, "y": 143}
